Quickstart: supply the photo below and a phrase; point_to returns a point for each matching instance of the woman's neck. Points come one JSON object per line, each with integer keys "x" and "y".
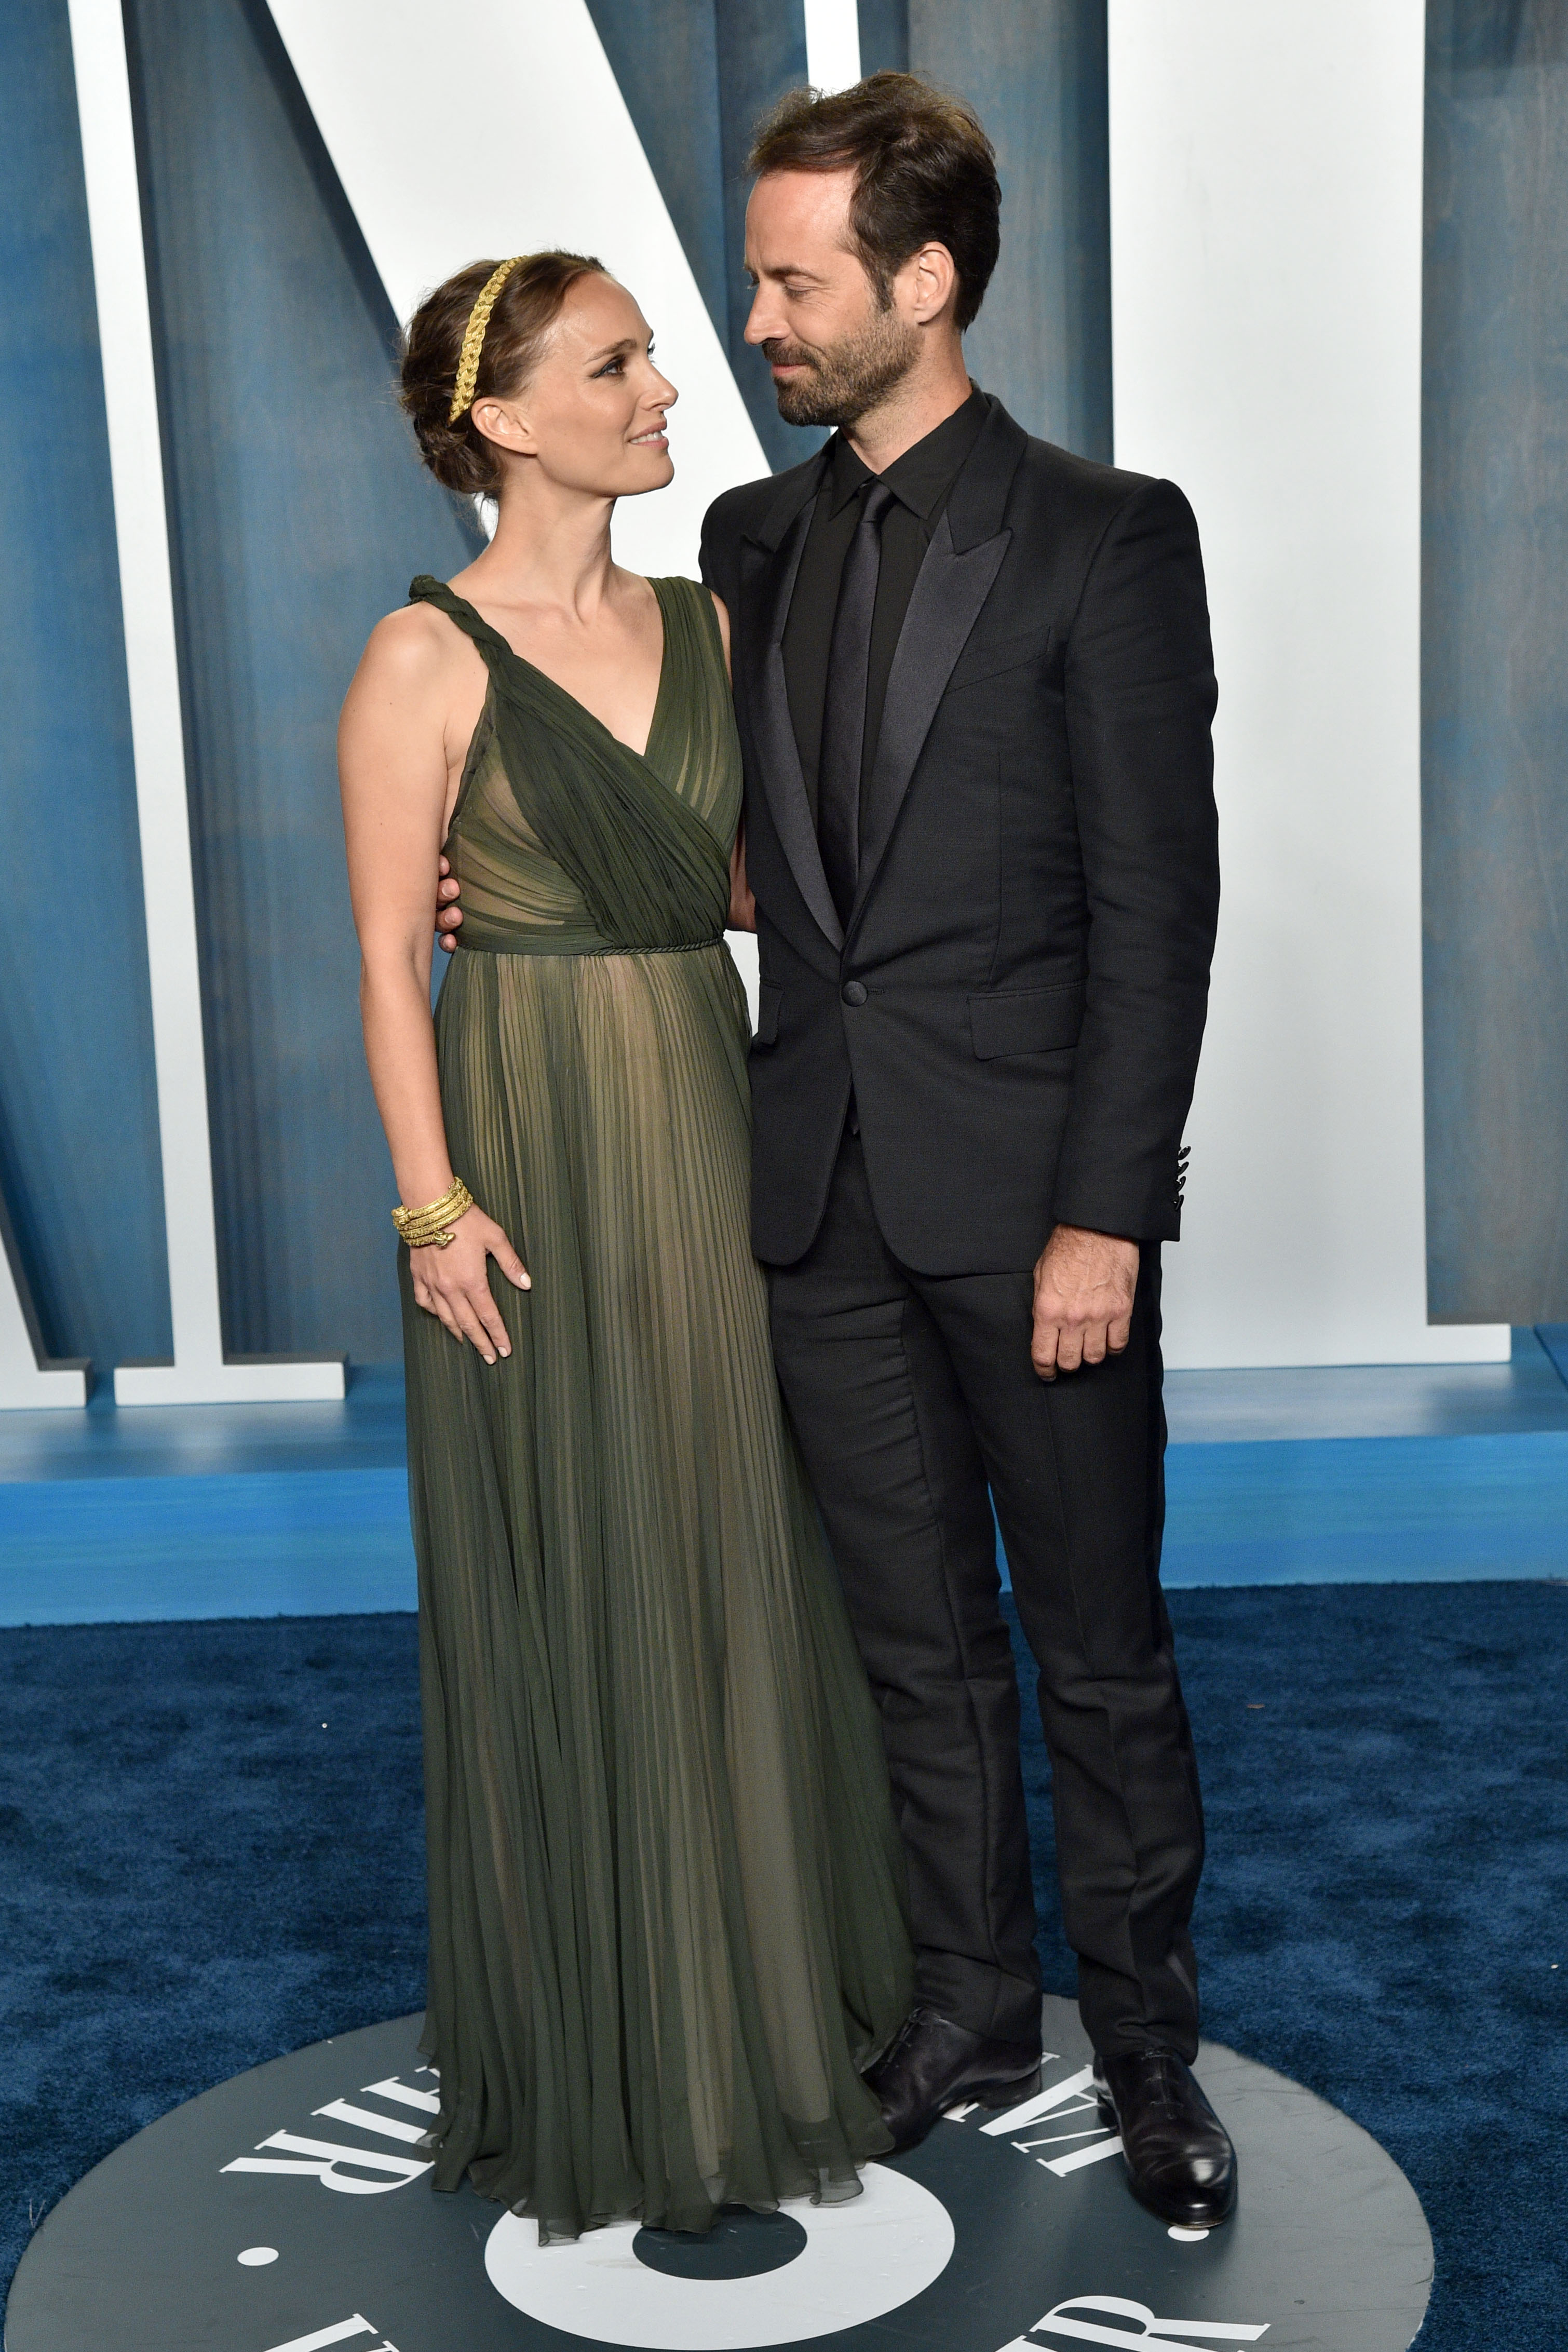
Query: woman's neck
{"x": 551, "y": 548}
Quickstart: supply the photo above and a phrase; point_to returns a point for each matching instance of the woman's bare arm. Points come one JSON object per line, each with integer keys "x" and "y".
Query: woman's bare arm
{"x": 392, "y": 759}
{"x": 742, "y": 906}
{"x": 723, "y": 612}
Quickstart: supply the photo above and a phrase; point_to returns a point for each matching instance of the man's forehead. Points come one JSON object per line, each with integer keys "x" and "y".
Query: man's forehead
{"x": 819, "y": 199}
{"x": 799, "y": 219}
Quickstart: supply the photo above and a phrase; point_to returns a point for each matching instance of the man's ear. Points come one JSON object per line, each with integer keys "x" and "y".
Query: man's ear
{"x": 931, "y": 279}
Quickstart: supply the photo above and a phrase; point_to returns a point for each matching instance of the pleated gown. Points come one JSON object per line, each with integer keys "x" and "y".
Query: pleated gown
{"x": 666, "y": 1921}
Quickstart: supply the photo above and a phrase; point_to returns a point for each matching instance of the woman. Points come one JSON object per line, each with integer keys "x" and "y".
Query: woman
{"x": 666, "y": 1931}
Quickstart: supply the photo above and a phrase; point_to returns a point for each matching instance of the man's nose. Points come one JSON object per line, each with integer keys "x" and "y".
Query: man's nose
{"x": 762, "y": 323}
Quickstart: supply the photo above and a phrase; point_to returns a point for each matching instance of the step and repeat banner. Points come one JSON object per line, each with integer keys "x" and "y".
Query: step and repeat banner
{"x": 215, "y": 215}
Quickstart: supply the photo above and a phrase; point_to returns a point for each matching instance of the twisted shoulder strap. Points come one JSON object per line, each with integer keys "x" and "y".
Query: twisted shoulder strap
{"x": 424, "y": 590}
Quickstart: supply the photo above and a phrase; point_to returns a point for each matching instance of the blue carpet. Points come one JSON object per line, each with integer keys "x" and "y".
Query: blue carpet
{"x": 211, "y": 1844}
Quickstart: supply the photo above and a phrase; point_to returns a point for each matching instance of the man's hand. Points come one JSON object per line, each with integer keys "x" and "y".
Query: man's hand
{"x": 1084, "y": 1285}
{"x": 448, "y": 915}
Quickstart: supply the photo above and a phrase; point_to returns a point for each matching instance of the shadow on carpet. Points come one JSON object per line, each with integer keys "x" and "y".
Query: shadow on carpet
{"x": 212, "y": 1851}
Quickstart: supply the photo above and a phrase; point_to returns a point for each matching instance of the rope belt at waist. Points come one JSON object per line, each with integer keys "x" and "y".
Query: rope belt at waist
{"x": 512, "y": 947}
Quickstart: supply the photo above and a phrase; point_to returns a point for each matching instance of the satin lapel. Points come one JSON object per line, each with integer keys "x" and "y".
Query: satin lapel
{"x": 767, "y": 584}
{"x": 948, "y": 592}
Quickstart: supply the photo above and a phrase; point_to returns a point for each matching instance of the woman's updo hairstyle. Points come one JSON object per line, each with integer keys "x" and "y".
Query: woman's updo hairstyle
{"x": 528, "y": 305}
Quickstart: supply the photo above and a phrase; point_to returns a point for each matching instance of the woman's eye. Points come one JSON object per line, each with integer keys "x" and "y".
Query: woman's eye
{"x": 612, "y": 367}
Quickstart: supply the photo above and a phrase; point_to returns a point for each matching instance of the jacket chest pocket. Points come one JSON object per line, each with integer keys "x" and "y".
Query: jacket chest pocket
{"x": 992, "y": 656}
{"x": 1026, "y": 1020}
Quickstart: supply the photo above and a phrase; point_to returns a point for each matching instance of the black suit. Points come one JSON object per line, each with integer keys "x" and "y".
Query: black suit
{"x": 1016, "y": 1004}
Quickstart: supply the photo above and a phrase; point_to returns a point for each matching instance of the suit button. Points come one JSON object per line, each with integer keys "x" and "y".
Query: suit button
{"x": 854, "y": 991}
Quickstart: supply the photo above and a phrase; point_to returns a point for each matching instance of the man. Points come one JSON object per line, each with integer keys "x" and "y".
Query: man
{"x": 973, "y": 686}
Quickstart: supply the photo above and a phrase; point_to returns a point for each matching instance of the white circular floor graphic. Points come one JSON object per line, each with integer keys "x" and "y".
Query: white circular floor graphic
{"x": 860, "y": 2261}
{"x": 291, "y": 2209}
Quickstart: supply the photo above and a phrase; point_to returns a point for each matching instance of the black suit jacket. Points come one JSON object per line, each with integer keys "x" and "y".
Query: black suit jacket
{"x": 1019, "y": 997}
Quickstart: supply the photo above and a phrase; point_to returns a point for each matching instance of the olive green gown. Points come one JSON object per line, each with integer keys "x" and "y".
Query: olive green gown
{"x": 665, "y": 1928}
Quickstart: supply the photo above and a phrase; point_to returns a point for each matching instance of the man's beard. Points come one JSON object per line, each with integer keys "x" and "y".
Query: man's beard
{"x": 845, "y": 380}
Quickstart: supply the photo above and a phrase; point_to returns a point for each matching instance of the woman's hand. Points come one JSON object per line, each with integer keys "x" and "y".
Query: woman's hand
{"x": 453, "y": 1284}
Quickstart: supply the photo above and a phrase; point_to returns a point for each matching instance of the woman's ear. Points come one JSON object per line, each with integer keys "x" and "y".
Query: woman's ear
{"x": 502, "y": 422}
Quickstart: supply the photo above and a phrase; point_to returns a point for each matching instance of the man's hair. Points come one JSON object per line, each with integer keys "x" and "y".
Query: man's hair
{"x": 925, "y": 174}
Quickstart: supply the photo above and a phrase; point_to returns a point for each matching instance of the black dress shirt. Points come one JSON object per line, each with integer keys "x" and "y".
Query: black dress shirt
{"x": 920, "y": 481}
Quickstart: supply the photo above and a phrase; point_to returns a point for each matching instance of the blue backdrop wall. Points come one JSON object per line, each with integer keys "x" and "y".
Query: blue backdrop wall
{"x": 299, "y": 514}
{"x": 1495, "y": 755}
{"x": 696, "y": 75}
{"x": 1036, "y": 70}
{"x": 78, "y": 1130}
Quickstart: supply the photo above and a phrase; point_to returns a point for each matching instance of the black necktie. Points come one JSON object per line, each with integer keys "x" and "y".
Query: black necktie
{"x": 844, "y": 703}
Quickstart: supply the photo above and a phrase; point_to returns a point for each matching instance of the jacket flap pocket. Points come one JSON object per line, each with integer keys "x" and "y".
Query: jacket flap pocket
{"x": 769, "y": 999}
{"x": 1026, "y": 1020}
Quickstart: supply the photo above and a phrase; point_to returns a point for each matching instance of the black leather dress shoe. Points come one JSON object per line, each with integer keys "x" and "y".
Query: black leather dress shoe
{"x": 935, "y": 2065}
{"x": 1180, "y": 2160}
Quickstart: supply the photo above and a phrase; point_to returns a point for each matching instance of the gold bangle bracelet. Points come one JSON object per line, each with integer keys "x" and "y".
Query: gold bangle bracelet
{"x": 433, "y": 1227}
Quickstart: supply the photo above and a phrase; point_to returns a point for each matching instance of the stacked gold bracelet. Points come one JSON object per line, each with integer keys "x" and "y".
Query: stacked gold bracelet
{"x": 432, "y": 1227}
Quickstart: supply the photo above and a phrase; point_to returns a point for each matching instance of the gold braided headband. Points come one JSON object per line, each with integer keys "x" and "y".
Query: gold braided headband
{"x": 474, "y": 337}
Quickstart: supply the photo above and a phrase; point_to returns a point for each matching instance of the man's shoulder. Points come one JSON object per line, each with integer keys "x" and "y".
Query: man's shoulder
{"x": 1083, "y": 485}
{"x": 747, "y": 507}
{"x": 735, "y": 511}
{"x": 1078, "y": 506}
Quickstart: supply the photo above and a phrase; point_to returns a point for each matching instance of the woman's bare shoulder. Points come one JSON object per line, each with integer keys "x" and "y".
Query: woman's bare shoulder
{"x": 411, "y": 646}
{"x": 414, "y": 660}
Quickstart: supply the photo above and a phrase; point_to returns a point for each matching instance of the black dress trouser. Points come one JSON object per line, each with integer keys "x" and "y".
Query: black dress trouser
{"x": 915, "y": 1403}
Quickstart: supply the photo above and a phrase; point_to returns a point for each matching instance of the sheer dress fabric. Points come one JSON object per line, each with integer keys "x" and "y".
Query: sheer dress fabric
{"x": 666, "y": 1896}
